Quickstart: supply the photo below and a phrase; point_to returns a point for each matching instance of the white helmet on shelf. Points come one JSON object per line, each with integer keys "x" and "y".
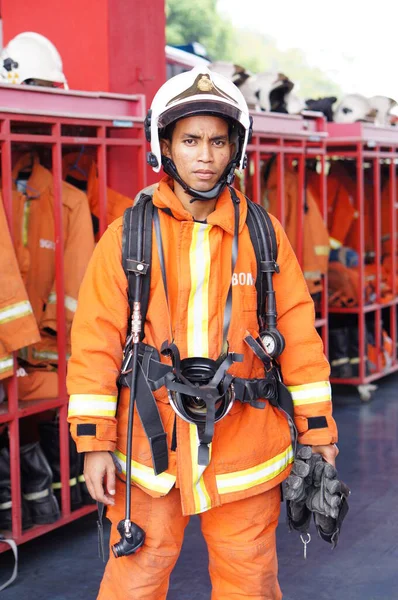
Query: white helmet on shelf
{"x": 31, "y": 58}
{"x": 353, "y": 108}
{"x": 198, "y": 92}
{"x": 384, "y": 106}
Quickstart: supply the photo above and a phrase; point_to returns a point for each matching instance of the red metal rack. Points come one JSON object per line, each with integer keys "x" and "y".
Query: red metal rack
{"x": 112, "y": 127}
{"x": 299, "y": 138}
{"x": 370, "y": 148}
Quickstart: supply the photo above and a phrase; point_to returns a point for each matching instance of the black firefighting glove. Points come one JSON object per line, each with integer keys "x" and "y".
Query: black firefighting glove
{"x": 327, "y": 500}
{"x": 297, "y": 487}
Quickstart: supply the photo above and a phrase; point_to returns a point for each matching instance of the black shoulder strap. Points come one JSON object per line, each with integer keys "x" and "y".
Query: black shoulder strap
{"x": 263, "y": 238}
{"x": 129, "y": 251}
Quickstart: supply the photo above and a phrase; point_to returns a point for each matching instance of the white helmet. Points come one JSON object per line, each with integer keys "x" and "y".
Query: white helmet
{"x": 198, "y": 92}
{"x": 353, "y": 108}
{"x": 272, "y": 89}
{"x": 31, "y": 56}
{"x": 384, "y": 105}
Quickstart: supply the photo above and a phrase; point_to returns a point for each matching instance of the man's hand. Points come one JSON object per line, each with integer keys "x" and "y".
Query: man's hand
{"x": 328, "y": 453}
{"x": 99, "y": 473}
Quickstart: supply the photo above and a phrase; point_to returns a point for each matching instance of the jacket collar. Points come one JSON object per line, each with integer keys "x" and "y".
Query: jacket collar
{"x": 223, "y": 215}
{"x": 40, "y": 179}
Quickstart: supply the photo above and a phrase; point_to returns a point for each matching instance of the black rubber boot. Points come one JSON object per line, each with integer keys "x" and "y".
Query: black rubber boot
{"x": 37, "y": 485}
{"x": 338, "y": 353}
{"x": 49, "y": 441}
{"x": 353, "y": 350}
{"x": 5, "y": 496}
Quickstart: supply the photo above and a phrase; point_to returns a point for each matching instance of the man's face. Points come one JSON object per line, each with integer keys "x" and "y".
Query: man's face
{"x": 200, "y": 149}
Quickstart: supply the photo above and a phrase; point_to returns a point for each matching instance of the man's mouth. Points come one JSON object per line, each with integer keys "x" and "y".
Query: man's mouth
{"x": 204, "y": 174}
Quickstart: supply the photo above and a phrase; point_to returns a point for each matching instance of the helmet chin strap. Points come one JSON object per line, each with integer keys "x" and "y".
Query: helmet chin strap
{"x": 225, "y": 179}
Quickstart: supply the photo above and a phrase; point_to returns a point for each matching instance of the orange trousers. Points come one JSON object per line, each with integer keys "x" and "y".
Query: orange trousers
{"x": 240, "y": 538}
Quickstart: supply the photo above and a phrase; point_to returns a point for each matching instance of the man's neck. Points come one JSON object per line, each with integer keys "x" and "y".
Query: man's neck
{"x": 200, "y": 209}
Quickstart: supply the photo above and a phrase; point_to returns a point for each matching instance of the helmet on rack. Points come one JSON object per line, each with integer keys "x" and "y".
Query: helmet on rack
{"x": 384, "y": 107}
{"x": 353, "y": 108}
{"x": 30, "y": 58}
{"x": 193, "y": 93}
{"x": 272, "y": 90}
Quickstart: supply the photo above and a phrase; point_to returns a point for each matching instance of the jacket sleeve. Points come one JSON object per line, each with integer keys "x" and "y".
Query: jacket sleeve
{"x": 305, "y": 369}
{"x": 18, "y": 327}
{"x": 98, "y": 335}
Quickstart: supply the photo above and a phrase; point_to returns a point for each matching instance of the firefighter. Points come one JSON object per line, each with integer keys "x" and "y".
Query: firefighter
{"x": 202, "y": 314}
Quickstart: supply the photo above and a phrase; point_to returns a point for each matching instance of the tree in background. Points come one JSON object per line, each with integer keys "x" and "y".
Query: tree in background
{"x": 188, "y": 21}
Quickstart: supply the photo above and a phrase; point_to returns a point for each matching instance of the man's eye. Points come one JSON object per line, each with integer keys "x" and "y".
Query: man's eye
{"x": 189, "y": 142}
{"x": 219, "y": 143}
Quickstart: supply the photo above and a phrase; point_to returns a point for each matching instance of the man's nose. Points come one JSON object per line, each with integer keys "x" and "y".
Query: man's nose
{"x": 206, "y": 152}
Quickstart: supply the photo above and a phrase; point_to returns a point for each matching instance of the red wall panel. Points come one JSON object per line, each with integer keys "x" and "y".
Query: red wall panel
{"x": 107, "y": 45}
{"x": 78, "y": 28}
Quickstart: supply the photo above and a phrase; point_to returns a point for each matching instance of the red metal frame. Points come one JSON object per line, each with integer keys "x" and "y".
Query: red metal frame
{"x": 365, "y": 142}
{"x": 98, "y": 121}
{"x": 295, "y": 137}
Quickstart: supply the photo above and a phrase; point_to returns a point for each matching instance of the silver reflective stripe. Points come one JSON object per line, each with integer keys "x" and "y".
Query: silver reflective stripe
{"x": 70, "y": 303}
{"x": 15, "y": 311}
{"x": 37, "y": 495}
{"x": 6, "y": 364}
{"x": 5, "y": 505}
{"x": 312, "y": 274}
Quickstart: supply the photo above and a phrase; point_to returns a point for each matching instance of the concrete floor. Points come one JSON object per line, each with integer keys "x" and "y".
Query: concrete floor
{"x": 63, "y": 564}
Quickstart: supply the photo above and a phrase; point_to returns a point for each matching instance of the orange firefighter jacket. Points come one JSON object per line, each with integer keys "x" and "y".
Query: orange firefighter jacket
{"x": 34, "y": 239}
{"x": 340, "y": 206}
{"x": 18, "y": 326}
{"x": 315, "y": 237}
{"x": 251, "y": 450}
{"x": 83, "y": 167}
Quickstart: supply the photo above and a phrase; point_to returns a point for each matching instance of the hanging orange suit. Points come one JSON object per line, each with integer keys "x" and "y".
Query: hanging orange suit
{"x": 251, "y": 452}
{"x": 315, "y": 240}
{"x": 34, "y": 241}
{"x": 82, "y": 167}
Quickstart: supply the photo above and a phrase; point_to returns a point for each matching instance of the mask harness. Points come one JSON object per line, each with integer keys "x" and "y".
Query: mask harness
{"x": 200, "y": 390}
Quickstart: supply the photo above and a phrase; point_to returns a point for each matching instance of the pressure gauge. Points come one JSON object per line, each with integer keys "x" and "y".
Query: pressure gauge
{"x": 273, "y": 342}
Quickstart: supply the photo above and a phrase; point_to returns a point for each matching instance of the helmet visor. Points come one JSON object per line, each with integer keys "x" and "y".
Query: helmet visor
{"x": 199, "y": 107}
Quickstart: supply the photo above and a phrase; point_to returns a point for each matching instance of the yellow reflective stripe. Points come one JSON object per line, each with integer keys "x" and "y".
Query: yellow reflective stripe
{"x": 198, "y": 303}
{"x": 70, "y": 302}
{"x": 201, "y": 497}
{"x": 339, "y": 361}
{"x": 25, "y": 222}
{"x": 248, "y": 478}
{"x": 92, "y": 405}
{"x": 15, "y": 311}
{"x": 6, "y": 364}
{"x": 57, "y": 485}
{"x": 44, "y": 354}
{"x": 145, "y": 476}
{"x": 335, "y": 244}
{"x": 322, "y": 250}
{"x": 310, "y": 393}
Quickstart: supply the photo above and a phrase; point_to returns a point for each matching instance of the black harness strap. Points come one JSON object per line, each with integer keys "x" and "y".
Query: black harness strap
{"x": 262, "y": 234}
{"x": 146, "y": 404}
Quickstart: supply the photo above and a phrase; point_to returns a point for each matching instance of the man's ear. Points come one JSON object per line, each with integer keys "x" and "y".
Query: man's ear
{"x": 165, "y": 148}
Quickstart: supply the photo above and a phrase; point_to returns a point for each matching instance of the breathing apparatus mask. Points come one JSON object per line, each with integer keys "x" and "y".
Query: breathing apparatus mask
{"x": 199, "y": 92}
